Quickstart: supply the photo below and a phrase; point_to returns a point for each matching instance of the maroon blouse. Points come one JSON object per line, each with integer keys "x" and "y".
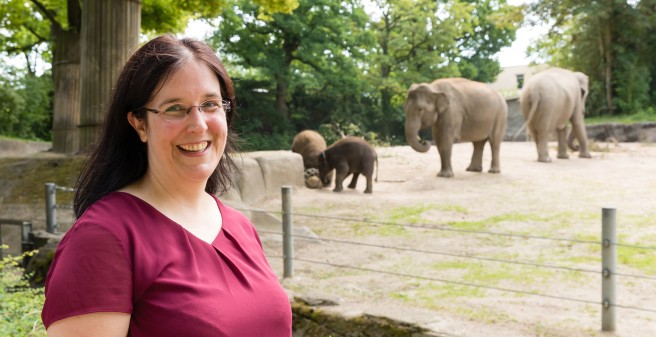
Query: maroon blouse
{"x": 123, "y": 255}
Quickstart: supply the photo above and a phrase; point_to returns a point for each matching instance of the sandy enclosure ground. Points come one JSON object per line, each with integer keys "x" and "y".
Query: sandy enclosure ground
{"x": 549, "y": 215}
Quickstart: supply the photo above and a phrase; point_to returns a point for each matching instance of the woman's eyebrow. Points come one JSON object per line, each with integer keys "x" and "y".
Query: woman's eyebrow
{"x": 177, "y": 99}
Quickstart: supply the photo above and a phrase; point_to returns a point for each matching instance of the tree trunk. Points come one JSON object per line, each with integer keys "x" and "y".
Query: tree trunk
{"x": 110, "y": 33}
{"x": 66, "y": 100}
{"x": 281, "y": 97}
{"x": 608, "y": 71}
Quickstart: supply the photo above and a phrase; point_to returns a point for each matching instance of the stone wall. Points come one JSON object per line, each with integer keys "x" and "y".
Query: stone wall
{"x": 11, "y": 147}
{"x": 615, "y": 132}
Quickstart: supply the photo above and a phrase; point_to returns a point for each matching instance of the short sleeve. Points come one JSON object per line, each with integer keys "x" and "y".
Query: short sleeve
{"x": 90, "y": 272}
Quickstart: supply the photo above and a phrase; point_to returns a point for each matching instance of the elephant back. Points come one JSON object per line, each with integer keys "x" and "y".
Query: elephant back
{"x": 309, "y": 144}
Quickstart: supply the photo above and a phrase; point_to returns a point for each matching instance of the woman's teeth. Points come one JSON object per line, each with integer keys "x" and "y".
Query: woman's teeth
{"x": 198, "y": 147}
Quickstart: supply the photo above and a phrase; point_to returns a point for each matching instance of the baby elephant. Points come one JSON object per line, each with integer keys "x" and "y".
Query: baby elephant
{"x": 350, "y": 155}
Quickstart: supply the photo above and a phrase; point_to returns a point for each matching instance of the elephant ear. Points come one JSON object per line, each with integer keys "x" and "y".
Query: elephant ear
{"x": 583, "y": 83}
{"x": 441, "y": 101}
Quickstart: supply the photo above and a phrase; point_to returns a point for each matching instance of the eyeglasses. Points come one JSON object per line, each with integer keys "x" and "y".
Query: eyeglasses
{"x": 179, "y": 112}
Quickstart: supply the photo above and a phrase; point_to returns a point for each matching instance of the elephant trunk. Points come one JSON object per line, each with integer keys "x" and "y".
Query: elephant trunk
{"x": 412, "y": 137}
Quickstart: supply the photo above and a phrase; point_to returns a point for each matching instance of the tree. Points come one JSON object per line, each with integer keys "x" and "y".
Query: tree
{"x": 314, "y": 47}
{"x": 602, "y": 39}
{"x": 25, "y": 105}
{"x": 57, "y": 23}
{"x": 494, "y": 26}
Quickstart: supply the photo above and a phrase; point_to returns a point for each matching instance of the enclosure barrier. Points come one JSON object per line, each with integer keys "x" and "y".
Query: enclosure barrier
{"x": 608, "y": 271}
{"x": 51, "y": 206}
{"x": 26, "y": 229}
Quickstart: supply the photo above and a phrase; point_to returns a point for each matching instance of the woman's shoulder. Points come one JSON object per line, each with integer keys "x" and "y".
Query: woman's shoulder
{"x": 117, "y": 212}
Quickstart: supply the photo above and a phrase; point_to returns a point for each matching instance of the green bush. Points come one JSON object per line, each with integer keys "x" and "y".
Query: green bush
{"x": 20, "y": 305}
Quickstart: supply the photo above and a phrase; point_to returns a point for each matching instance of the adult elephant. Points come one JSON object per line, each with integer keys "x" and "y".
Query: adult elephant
{"x": 550, "y": 100}
{"x": 310, "y": 144}
{"x": 457, "y": 110}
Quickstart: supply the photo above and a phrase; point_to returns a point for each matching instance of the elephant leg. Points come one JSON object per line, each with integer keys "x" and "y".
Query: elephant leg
{"x": 444, "y": 144}
{"x": 578, "y": 127}
{"x": 370, "y": 184}
{"x": 541, "y": 142}
{"x": 341, "y": 171}
{"x": 354, "y": 180}
{"x": 495, "y": 146}
{"x": 562, "y": 144}
{"x": 476, "y": 164}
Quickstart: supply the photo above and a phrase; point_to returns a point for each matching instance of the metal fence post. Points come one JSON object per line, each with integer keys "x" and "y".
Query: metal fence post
{"x": 287, "y": 231}
{"x": 51, "y": 207}
{"x": 608, "y": 267}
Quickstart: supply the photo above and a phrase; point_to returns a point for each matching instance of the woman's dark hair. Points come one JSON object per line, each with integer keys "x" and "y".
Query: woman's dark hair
{"x": 119, "y": 157}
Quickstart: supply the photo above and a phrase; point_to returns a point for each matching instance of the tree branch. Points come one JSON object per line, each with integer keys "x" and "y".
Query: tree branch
{"x": 49, "y": 14}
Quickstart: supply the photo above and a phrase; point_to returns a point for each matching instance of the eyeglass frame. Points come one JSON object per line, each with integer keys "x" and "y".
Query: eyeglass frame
{"x": 225, "y": 106}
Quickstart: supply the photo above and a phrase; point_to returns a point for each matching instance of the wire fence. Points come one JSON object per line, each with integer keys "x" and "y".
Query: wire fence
{"x": 607, "y": 272}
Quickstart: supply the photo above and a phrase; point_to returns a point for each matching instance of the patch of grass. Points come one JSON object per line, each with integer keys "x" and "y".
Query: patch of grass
{"x": 484, "y": 314}
{"x": 648, "y": 115}
{"x": 408, "y": 214}
{"x": 29, "y": 176}
{"x": 489, "y": 222}
{"x": 639, "y": 258}
{"x": 366, "y": 229}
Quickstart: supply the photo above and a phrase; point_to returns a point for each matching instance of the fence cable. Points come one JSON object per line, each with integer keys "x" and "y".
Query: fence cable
{"x": 473, "y": 257}
{"x": 464, "y": 283}
{"x": 442, "y": 228}
{"x": 64, "y": 188}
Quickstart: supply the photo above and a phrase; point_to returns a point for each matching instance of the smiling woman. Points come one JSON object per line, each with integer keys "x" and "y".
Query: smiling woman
{"x": 153, "y": 251}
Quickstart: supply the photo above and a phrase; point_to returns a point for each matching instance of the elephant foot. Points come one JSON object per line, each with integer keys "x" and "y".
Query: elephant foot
{"x": 475, "y": 169}
{"x": 494, "y": 170}
{"x": 368, "y": 191}
{"x": 563, "y": 156}
{"x": 585, "y": 155}
{"x": 351, "y": 186}
{"x": 337, "y": 189}
{"x": 544, "y": 160}
{"x": 445, "y": 174}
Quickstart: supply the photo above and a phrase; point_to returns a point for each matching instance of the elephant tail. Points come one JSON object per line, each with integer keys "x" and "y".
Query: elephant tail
{"x": 532, "y": 104}
{"x": 376, "y": 168}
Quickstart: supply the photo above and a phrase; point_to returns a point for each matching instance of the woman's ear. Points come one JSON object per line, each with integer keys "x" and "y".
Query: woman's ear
{"x": 139, "y": 125}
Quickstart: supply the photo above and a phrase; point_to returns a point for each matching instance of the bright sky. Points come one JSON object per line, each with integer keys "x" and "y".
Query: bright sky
{"x": 515, "y": 55}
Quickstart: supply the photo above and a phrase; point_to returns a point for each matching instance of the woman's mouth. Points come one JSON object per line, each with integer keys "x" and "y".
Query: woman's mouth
{"x": 197, "y": 147}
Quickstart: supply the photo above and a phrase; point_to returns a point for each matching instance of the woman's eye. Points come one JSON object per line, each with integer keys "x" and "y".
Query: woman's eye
{"x": 210, "y": 106}
{"x": 175, "y": 108}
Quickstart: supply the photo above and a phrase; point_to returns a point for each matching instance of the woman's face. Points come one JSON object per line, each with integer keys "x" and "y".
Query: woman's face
{"x": 187, "y": 150}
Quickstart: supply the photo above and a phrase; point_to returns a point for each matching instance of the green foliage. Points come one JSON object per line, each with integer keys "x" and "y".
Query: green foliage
{"x": 20, "y": 305}
{"x": 304, "y": 64}
{"x": 494, "y": 26}
{"x": 612, "y": 41}
{"x": 25, "y": 106}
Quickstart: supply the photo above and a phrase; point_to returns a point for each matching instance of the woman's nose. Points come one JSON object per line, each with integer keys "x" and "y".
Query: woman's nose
{"x": 196, "y": 120}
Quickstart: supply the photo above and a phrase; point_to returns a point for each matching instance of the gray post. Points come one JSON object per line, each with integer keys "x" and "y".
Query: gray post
{"x": 51, "y": 207}
{"x": 608, "y": 267}
{"x": 287, "y": 232}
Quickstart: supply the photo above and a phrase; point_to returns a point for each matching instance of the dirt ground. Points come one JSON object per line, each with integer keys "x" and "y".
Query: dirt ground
{"x": 447, "y": 271}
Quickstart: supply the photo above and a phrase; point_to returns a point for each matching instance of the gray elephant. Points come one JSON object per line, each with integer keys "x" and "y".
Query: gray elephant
{"x": 349, "y": 155}
{"x": 457, "y": 110}
{"x": 550, "y": 100}
{"x": 310, "y": 144}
